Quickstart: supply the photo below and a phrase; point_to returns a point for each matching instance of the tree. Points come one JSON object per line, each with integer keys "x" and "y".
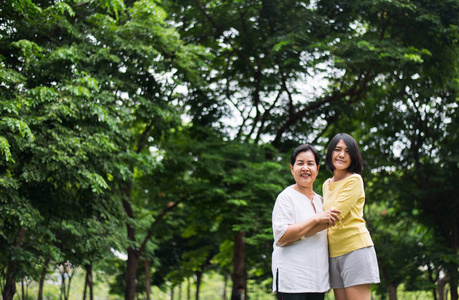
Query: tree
{"x": 60, "y": 171}
{"x": 143, "y": 51}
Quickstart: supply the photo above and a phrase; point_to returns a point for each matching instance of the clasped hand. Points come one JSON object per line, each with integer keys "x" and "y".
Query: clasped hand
{"x": 330, "y": 217}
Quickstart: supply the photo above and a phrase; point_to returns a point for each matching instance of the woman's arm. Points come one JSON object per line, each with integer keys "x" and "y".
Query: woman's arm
{"x": 349, "y": 195}
{"x": 309, "y": 227}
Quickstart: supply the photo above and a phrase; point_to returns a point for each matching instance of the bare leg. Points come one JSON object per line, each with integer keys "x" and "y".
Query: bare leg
{"x": 358, "y": 292}
{"x": 340, "y": 294}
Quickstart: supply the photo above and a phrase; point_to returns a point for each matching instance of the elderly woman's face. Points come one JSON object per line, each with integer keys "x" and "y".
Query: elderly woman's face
{"x": 305, "y": 169}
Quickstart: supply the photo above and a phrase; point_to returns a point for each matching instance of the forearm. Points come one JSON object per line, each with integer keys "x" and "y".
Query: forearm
{"x": 317, "y": 228}
{"x": 309, "y": 227}
{"x": 297, "y": 231}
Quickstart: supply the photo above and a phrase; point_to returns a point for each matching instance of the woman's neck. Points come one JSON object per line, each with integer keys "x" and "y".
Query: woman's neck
{"x": 340, "y": 175}
{"x": 307, "y": 191}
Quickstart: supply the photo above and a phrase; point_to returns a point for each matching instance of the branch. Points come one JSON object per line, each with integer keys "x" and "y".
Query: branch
{"x": 158, "y": 218}
{"x": 293, "y": 118}
{"x": 143, "y": 138}
{"x": 289, "y": 94}
{"x": 266, "y": 113}
{"x": 330, "y": 121}
{"x": 256, "y": 103}
{"x": 355, "y": 90}
{"x": 244, "y": 120}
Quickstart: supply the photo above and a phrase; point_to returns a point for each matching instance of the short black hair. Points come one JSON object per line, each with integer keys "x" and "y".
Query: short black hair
{"x": 354, "y": 153}
{"x": 305, "y": 148}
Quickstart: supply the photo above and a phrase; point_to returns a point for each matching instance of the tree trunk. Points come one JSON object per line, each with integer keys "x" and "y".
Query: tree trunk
{"x": 453, "y": 286}
{"x": 188, "y": 290}
{"x": 239, "y": 275}
{"x": 88, "y": 283}
{"x": 85, "y": 286}
{"x": 392, "y": 290}
{"x": 70, "y": 272}
{"x": 430, "y": 271}
{"x": 147, "y": 279}
{"x": 441, "y": 284}
{"x": 133, "y": 254}
{"x": 10, "y": 282}
{"x": 42, "y": 279}
{"x": 63, "y": 284}
{"x": 91, "y": 285}
{"x": 23, "y": 290}
{"x": 131, "y": 272}
{"x": 172, "y": 292}
{"x": 434, "y": 292}
{"x": 453, "y": 273}
{"x": 225, "y": 285}
{"x": 198, "y": 283}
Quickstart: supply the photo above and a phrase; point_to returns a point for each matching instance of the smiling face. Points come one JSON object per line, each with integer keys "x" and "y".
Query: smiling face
{"x": 305, "y": 169}
{"x": 340, "y": 157}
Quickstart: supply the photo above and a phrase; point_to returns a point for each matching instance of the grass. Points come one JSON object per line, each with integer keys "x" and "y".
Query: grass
{"x": 211, "y": 288}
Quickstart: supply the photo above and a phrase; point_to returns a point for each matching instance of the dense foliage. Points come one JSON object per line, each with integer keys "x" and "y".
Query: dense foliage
{"x": 162, "y": 130}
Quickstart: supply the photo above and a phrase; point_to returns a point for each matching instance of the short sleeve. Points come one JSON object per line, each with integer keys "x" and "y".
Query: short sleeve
{"x": 282, "y": 217}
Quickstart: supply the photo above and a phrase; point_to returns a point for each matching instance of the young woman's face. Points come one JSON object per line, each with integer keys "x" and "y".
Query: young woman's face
{"x": 305, "y": 169}
{"x": 340, "y": 157}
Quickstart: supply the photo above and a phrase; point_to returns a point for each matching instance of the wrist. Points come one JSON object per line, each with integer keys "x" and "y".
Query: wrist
{"x": 316, "y": 219}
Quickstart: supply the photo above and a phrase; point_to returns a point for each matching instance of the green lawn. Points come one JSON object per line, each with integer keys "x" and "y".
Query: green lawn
{"x": 211, "y": 289}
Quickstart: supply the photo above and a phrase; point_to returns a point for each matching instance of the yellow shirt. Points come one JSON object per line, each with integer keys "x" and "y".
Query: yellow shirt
{"x": 350, "y": 233}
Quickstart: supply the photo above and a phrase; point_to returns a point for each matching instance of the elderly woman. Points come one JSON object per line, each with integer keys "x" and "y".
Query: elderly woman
{"x": 300, "y": 256}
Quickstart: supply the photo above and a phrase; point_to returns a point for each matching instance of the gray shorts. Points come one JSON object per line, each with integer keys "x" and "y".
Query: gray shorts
{"x": 355, "y": 268}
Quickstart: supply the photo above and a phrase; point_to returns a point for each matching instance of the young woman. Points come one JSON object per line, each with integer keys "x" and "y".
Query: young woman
{"x": 300, "y": 256}
{"x": 353, "y": 263}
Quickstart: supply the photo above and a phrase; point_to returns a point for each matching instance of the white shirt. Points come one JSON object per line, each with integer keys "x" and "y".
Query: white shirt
{"x": 303, "y": 266}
